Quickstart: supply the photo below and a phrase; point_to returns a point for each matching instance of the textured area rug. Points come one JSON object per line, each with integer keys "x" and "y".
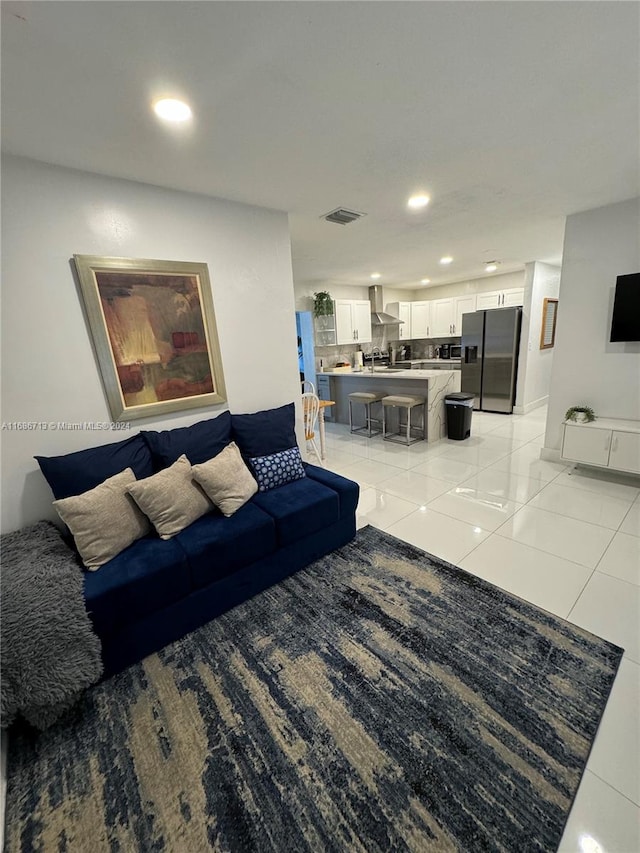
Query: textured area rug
{"x": 378, "y": 700}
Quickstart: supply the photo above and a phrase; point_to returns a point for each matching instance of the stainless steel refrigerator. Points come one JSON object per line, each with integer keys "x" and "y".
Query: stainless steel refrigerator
{"x": 490, "y": 344}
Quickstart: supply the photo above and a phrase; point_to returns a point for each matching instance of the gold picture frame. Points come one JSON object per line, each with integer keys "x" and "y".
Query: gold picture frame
{"x": 549, "y": 317}
{"x": 154, "y": 333}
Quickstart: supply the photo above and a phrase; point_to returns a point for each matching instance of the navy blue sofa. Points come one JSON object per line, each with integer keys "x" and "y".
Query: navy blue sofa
{"x": 156, "y": 590}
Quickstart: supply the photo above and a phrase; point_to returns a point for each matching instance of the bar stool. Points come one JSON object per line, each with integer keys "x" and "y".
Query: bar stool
{"x": 401, "y": 402}
{"x": 367, "y": 398}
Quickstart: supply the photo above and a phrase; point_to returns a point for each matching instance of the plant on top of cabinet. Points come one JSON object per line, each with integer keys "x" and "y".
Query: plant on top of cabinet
{"x": 580, "y": 414}
{"x": 322, "y": 304}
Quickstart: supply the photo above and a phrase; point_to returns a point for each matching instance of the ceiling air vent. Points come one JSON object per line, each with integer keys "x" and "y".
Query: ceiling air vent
{"x": 342, "y": 216}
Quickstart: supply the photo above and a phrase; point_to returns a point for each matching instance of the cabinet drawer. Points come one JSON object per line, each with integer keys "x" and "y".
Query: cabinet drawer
{"x": 324, "y": 393}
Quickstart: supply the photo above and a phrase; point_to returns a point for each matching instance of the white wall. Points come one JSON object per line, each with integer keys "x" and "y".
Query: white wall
{"x": 599, "y": 245}
{"x": 49, "y": 369}
{"x": 534, "y": 368}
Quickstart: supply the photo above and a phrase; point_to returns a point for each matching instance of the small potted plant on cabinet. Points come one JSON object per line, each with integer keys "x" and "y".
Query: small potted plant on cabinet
{"x": 325, "y": 321}
{"x": 580, "y": 414}
{"x": 322, "y": 304}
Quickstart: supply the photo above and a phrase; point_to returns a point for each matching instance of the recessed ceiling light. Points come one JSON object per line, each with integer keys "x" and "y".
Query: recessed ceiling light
{"x": 446, "y": 260}
{"x": 376, "y": 275}
{"x": 491, "y": 266}
{"x": 171, "y": 109}
{"x": 425, "y": 281}
{"x": 418, "y": 201}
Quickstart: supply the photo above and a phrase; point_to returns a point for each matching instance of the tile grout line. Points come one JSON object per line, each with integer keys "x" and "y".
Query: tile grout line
{"x": 593, "y": 573}
{"x": 612, "y": 787}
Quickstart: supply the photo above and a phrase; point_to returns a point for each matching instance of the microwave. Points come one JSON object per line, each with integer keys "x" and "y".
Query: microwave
{"x": 455, "y": 352}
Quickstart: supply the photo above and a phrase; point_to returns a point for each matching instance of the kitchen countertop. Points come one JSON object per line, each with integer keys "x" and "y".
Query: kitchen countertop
{"x": 433, "y": 385}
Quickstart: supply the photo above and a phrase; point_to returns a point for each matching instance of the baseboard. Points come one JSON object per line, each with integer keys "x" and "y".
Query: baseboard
{"x": 529, "y": 407}
{"x": 551, "y": 454}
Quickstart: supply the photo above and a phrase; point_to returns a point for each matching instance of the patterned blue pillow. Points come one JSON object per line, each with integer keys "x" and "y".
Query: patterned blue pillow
{"x": 277, "y": 469}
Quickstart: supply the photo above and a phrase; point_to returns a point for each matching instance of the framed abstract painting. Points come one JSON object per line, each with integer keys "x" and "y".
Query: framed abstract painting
{"x": 154, "y": 333}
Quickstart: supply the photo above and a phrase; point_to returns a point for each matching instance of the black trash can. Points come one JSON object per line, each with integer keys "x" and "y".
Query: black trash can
{"x": 459, "y": 407}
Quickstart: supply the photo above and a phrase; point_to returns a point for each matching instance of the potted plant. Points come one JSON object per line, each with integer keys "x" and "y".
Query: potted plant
{"x": 322, "y": 304}
{"x": 580, "y": 414}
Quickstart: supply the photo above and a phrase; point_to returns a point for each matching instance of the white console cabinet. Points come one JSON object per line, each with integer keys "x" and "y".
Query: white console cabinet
{"x": 605, "y": 442}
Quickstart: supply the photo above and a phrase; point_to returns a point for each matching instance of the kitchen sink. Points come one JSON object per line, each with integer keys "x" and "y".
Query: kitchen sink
{"x": 387, "y": 369}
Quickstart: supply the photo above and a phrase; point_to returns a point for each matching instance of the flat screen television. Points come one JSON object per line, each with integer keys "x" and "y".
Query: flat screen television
{"x": 625, "y": 324}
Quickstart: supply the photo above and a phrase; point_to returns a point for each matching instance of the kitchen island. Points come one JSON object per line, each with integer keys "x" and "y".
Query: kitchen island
{"x": 432, "y": 384}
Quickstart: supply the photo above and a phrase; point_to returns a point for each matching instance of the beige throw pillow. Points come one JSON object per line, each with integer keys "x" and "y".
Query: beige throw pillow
{"x": 171, "y": 499}
{"x": 104, "y": 520}
{"x": 226, "y": 480}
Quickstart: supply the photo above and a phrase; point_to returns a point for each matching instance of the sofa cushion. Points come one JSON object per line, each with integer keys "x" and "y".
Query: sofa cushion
{"x": 145, "y": 577}
{"x": 226, "y": 480}
{"x": 277, "y": 469}
{"x": 105, "y": 520}
{"x": 197, "y": 442}
{"x": 83, "y": 470}
{"x": 216, "y": 546}
{"x": 299, "y": 508}
{"x": 348, "y": 490}
{"x": 263, "y": 433}
{"x": 171, "y": 498}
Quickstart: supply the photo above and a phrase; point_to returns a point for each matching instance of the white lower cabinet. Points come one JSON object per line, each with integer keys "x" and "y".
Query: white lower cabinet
{"x": 607, "y": 443}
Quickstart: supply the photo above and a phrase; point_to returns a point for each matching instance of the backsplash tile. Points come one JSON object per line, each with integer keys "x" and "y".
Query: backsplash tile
{"x": 346, "y": 352}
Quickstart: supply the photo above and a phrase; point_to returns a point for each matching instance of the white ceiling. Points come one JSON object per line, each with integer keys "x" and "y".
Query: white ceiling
{"x": 511, "y": 115}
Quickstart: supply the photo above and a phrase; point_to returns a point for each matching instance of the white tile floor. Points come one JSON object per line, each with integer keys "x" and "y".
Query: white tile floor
{"x": 569, "y": 543}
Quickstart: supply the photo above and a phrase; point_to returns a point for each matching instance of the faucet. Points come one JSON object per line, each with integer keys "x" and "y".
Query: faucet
{"x": 374, "y": 352}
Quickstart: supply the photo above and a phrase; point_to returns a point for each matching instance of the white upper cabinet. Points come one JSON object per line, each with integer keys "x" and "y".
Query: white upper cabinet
{"x": 442, "y": 318}
{"x": 463, "y": 305}
{"x": 362, "y": 321}
{"x": 401, "y": 310}
{"x": 446, "y": 315}
{"x": 353, "y": 321}
{"x": 500, "y": 299}
{"x": 421, "y": 319}
{"x": 345, "y": 333}
{"x": 489, "y": 300}
{"x": 512, "y": 298}
{"x": 433, "y": 318}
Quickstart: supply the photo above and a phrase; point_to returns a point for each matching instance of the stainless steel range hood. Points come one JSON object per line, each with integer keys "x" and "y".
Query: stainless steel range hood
{"x": 378, "y": 315}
